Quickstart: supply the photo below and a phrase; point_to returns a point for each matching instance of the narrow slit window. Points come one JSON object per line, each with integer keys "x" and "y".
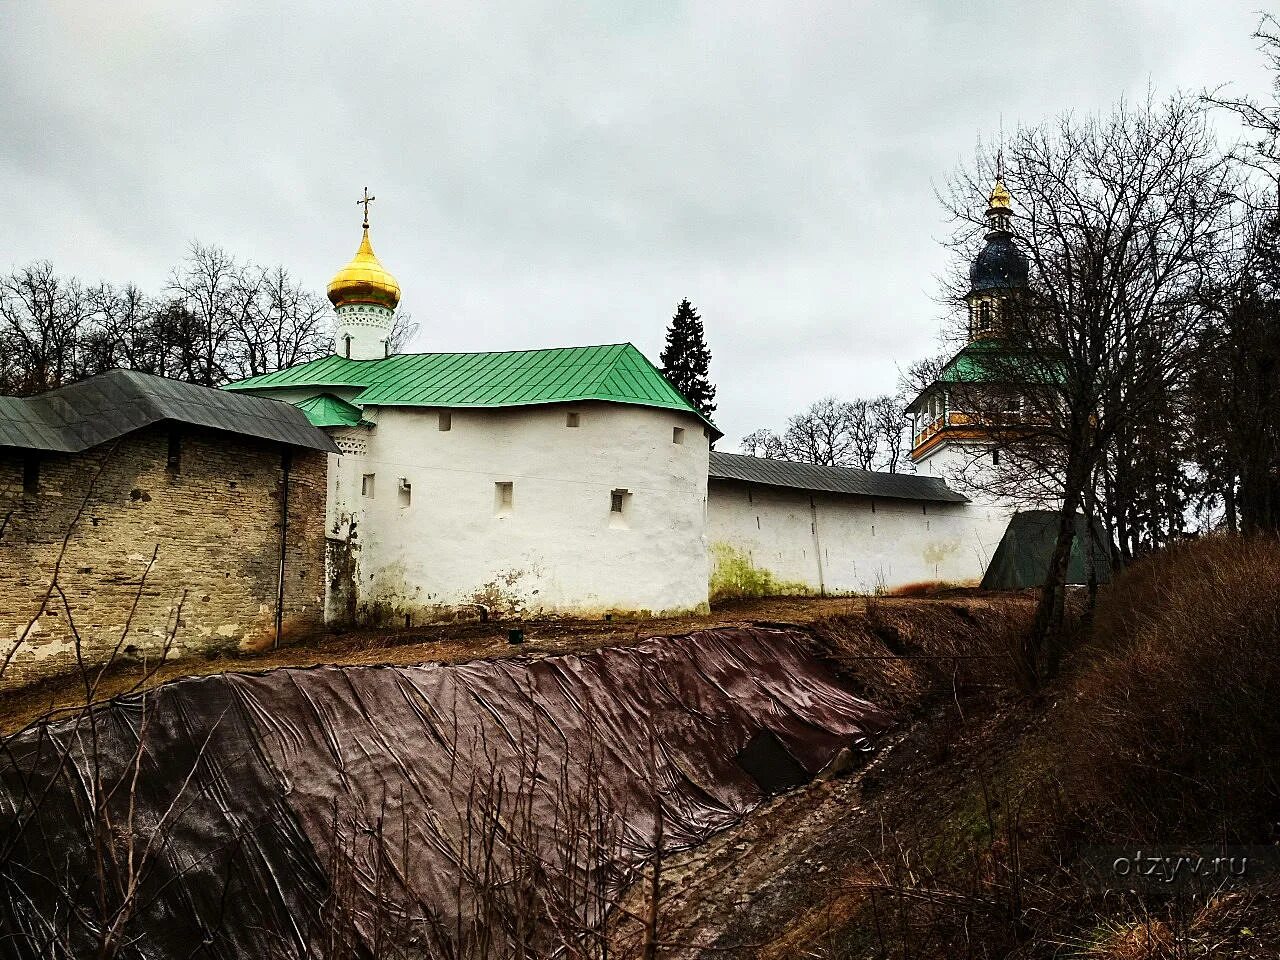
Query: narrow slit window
{"x": 984, "y": 316}
{"x": 174, "y": 461}
{"x": 366, "y": 486}
{"x": 571, "y": 419}
{"x": 619, "y": 500}
{"x": 405, "y": 492}
{"x": 995, "y": 456}
{"x": 31, "y": 474}
{"x": 677, "y": 434}
{"x": 446, "y": 420}
{"x": 503, "y": 497}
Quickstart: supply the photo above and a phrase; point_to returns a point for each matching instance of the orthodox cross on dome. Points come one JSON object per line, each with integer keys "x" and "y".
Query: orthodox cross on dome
{"x": 364, "y": 202}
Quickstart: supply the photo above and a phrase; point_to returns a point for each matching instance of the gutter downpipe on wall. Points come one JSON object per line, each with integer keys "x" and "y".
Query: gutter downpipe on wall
{"x": 286, "y": 465}
{"x": 817, "y": 545}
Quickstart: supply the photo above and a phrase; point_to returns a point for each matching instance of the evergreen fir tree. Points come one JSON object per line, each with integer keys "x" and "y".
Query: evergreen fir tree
{"x": 686, "y": 361}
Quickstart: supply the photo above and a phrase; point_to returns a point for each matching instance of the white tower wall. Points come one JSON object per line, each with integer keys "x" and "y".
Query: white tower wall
{"x": 363, "y": 331}
{"x": 513, "y": 510}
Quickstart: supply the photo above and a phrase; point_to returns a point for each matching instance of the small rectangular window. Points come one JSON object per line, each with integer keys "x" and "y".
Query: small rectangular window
{"x": 677, "y": 434}
{"x": 618, "y": 512}
{"x": 366, "y": 486}
{"x": 446, "y": 420}
{"x": 995, "y": 456}
{"x": 571, "y": 418}
{"x": 405, "y": 492}
{"x": 31, "y": 474}
{"x": 174, "y": 461}
{"x": 503, "y": 497}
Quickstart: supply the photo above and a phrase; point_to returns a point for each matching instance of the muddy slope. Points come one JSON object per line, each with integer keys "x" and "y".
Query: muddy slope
{"x": 333, "y": 810}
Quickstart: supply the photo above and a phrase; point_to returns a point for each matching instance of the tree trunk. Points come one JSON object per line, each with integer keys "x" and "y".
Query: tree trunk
{"x": 1040, "y": 648}
{"x": 1091, "y": 547}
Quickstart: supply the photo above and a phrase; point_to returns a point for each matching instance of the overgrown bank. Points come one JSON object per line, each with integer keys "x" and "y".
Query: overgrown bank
{"x": 997, "y": 825}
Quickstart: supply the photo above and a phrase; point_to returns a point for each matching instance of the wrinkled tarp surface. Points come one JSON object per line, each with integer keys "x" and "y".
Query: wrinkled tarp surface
{"x": 259, "y": 813}
{"x": 1023, "y": 555}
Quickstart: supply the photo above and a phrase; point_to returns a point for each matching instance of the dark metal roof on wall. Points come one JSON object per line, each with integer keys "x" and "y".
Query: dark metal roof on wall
{"x": 110, "y": 405}
{"x": 812, "y": 476}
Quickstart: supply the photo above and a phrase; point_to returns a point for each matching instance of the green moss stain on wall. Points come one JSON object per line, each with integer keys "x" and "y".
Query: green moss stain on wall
{"x": 734, "y": 575}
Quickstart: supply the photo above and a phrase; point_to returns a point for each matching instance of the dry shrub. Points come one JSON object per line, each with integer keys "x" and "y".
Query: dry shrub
{"x": 1244, "y": 924}
{"x": 1174, "y": 731}
{"x": 905, "y": 654}
{"x": 920, "y": 588}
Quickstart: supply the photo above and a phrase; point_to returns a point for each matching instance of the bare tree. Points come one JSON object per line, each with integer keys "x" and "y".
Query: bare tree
{"x": 41, "y": 318}
{"x": 1121, "y": 219}
{"x": 1234, "y": 398}
{"x": 275, "y": 323}
{"x": 1260, "y": 116}
{"x": 824, "y": 434}
{"x": 764, "y": 443}
{"x": 209, "y": 301}
{"x": 863, "y": 432}
{"x": 866, "y": 434}
{"x": 403, "y": 330}
{"x": 889, "y": 415}
{"x": 219, "y": 320}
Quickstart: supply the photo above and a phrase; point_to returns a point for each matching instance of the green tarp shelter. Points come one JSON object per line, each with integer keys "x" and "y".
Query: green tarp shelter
{"x": 1022, "y": 558}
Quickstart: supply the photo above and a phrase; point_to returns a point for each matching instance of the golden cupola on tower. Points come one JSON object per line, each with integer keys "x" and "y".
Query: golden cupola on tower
{"x": 1000, "y": 198}
{"x": 364, "y": 280}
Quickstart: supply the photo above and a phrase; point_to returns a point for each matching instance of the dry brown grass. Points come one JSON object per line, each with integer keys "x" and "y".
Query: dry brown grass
{"x": 922, "y": 588}
{"x": 907, "y": 652}
{"x": 1173, "y": 731}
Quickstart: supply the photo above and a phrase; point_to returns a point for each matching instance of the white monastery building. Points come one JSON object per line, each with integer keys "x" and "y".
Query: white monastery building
{"x": 578, "y": 481}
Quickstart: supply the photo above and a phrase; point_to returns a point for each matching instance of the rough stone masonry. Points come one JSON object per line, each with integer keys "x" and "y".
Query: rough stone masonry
{"x": 165, "y": 540}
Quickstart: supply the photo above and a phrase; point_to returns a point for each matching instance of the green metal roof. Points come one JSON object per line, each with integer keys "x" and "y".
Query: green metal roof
{"x": 617, "y": 372}
{"x": 326, "y": 410}
{"x": 981, "y": 361}
{"x": 973, "y": 364}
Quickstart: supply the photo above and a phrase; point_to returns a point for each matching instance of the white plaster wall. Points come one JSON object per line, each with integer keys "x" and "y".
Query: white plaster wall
{"x": 864, "y": 544}
{"x": 964, "y": 466}
{"x": 368, "y": 326}
{"x": 559, "y": 549}
{"x": 969, "y": 469}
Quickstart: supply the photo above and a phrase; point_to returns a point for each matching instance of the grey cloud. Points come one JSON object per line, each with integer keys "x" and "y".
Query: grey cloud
{"x": 556, "y": 173}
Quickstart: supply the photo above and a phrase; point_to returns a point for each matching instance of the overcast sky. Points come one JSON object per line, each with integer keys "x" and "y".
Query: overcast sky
{"x": 559, "y": 174}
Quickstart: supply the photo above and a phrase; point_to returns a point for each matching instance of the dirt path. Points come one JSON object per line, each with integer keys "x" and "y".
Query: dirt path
{"x": 786, "y": 881}
{"x": 448, "y": 643}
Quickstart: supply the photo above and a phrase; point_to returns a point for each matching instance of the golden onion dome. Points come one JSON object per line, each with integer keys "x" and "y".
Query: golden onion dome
{"x": 364, "y": 280}
{"x": 1000, "y": 198}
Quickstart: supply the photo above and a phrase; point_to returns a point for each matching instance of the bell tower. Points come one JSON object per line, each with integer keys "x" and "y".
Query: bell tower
{"x": 948, "y": 438}
{"x": 365, "y": 296}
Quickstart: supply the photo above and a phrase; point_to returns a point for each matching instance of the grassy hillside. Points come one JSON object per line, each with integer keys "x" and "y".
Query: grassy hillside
{"x": 999, "y": 825}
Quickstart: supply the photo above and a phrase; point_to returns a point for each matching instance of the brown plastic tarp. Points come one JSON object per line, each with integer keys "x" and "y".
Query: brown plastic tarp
{"x": 285, "y": 812}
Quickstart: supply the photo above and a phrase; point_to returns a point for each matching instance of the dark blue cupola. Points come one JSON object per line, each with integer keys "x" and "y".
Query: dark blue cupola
{"x": 999, "y": 272}
{"x": 1000, "y": 265}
